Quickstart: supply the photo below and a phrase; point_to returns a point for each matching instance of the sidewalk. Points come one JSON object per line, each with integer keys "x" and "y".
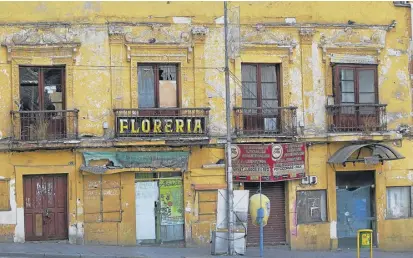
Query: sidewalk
{"x": 50, "y": 250}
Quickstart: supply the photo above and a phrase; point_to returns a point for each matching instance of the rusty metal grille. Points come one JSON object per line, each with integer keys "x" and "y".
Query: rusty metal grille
{"x": 357, "y": 117}
{"x": 266, "y": 121}
{"x": 45, "y": 125}
{"x": 164, "y": 114}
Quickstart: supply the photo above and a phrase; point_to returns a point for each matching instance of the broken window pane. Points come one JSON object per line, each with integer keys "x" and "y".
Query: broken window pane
{"x": 53, "y": 95}
{"x": 167, "y": 86}
{"x": 399, "y": 202}
{"x": 29, "y": 88}
{"x": 41, "y": 88}
{"x": 311, "y": 206}
{"x": 158, "y": 86}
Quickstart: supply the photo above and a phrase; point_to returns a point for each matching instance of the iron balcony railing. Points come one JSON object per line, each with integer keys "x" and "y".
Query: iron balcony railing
{"x": 155, "y": 122}
{"x": 44, "y": 125}
{"x": 280, "y": 121}
{"x": 357, "y": 117}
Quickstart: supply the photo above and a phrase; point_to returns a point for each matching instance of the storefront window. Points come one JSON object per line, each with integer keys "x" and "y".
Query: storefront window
{"x": 399, "y": 202}
{"x": 311, "y": 206}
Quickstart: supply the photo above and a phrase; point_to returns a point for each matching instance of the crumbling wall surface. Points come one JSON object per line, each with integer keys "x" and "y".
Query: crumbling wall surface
{"x": 101, "y": 43}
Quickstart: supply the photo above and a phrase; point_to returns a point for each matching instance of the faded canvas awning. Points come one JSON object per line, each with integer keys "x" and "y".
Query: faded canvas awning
{"x": 381, "y": 151}
{"x": 139, "y": 159}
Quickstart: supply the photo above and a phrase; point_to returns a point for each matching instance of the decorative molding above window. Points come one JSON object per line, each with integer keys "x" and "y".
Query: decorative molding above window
{"x": 355, "y": 40}
{"x": 30, "y": 43}
{"x": 353, "y": 59}
{"x": 261, "y": 37}
{"x": 158, "y": 34}
{"x": 160, "y": 53}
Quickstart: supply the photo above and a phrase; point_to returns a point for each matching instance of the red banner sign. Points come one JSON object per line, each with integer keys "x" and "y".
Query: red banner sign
{"x": 271, "y": 162}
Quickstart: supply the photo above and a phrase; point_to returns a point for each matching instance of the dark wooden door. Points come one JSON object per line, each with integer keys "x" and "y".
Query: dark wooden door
{"x": 275, "y": 230}
{"x": 45, "y": 207}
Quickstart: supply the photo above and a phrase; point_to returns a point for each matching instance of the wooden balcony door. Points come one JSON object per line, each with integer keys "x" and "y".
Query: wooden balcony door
{"x": 356, "y": 92}
{"x": 42, "y": 89}
{"x": 260, "y": 98}
{"x": 158, "y": 89}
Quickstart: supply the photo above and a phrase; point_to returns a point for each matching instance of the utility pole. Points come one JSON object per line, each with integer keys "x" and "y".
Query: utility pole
{"x": 230, "y": 192}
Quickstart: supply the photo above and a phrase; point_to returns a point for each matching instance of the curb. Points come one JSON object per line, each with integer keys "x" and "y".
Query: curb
{"x": 53, "y": 255}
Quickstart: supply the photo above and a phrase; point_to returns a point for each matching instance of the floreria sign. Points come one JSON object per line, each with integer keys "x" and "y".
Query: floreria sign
{"x": 141, "y": 126}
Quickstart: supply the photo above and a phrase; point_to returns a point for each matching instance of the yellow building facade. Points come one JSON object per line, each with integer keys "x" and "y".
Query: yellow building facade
{"x": 113, "y": 118}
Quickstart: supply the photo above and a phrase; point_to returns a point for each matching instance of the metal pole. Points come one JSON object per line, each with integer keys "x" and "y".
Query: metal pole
{"x": 228, "y": 149}
{"x": 261, "y": 215}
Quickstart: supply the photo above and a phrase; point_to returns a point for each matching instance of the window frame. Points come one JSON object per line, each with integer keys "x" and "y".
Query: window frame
{"x": 356, "y": 68}
{"x": 259, "y": 83}
{"x": 299, "y": 222}
{"x": 155, "y": 67}
{"x": 41, "y": 84}
{"x": 410, "y": 215}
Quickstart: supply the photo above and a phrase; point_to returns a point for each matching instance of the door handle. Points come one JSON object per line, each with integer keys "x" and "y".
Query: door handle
{"x": 47, "y": 213}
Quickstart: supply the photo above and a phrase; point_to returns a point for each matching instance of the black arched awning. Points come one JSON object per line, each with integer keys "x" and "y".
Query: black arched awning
{"x": 381, "y": 151}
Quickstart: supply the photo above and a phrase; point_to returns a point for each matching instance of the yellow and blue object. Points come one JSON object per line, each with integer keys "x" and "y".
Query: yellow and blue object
{"x": 259, "y": 209}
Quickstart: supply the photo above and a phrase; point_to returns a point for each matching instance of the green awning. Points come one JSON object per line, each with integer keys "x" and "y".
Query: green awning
{"x": 138, "y": 159}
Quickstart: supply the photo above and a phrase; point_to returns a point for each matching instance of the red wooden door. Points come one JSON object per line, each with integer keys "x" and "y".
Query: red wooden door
{"x": 45, "y": 207}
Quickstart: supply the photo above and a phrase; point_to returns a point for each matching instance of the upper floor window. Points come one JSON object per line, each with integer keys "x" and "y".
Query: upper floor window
{"x": 157, "y": 85}
{"x": 260, "y": 86}
{"x": 41, "y": 88}
{"x": 260, "y": 98}
{"x": 356, "y": 100}
{"x": 355, "y": 84}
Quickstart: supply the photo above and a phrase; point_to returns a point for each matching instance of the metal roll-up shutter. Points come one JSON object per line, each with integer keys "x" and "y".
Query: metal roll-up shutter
{"x": 275, "y": 230}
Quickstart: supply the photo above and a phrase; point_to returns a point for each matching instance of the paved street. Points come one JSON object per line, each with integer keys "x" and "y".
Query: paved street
{"x": 64, "y": 250}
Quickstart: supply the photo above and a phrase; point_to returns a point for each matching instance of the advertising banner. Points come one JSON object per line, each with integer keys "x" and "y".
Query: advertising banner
{"x": 271, "y": 162}
{"x": 172, "y": 201}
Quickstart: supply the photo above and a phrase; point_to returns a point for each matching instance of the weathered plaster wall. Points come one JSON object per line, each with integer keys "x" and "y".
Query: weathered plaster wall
{"x": 102, "y": 76}
{"x": 16, "y": 165}
{"x": 392, "y": 234}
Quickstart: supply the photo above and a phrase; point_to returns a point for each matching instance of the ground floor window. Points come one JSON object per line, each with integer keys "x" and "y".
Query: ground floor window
{"x": 311, "y": 206}
{"x": 399, "y": 202}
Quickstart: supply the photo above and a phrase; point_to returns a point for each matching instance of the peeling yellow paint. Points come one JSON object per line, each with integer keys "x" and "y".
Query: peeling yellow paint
{"x": 112, "y": 38}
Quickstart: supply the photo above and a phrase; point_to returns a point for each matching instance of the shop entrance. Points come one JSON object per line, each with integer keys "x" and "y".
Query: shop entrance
{"x": 355, "y": 205}
{"x": 275, "y": 230}
{"x": 159, "y": 207}
{"x": 45, "y": 207}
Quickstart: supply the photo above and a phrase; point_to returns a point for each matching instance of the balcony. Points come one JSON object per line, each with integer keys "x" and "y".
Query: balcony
{"x": 161, "y": 122}
{"x": 357, "y": 118}
{"x": 44, "y": 125}
{"x": 280, "y": 121}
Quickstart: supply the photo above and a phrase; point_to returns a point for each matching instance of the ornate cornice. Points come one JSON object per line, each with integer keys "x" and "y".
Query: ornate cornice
{"x": 61, "y": 45}
{"x": 349, "y": 38}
